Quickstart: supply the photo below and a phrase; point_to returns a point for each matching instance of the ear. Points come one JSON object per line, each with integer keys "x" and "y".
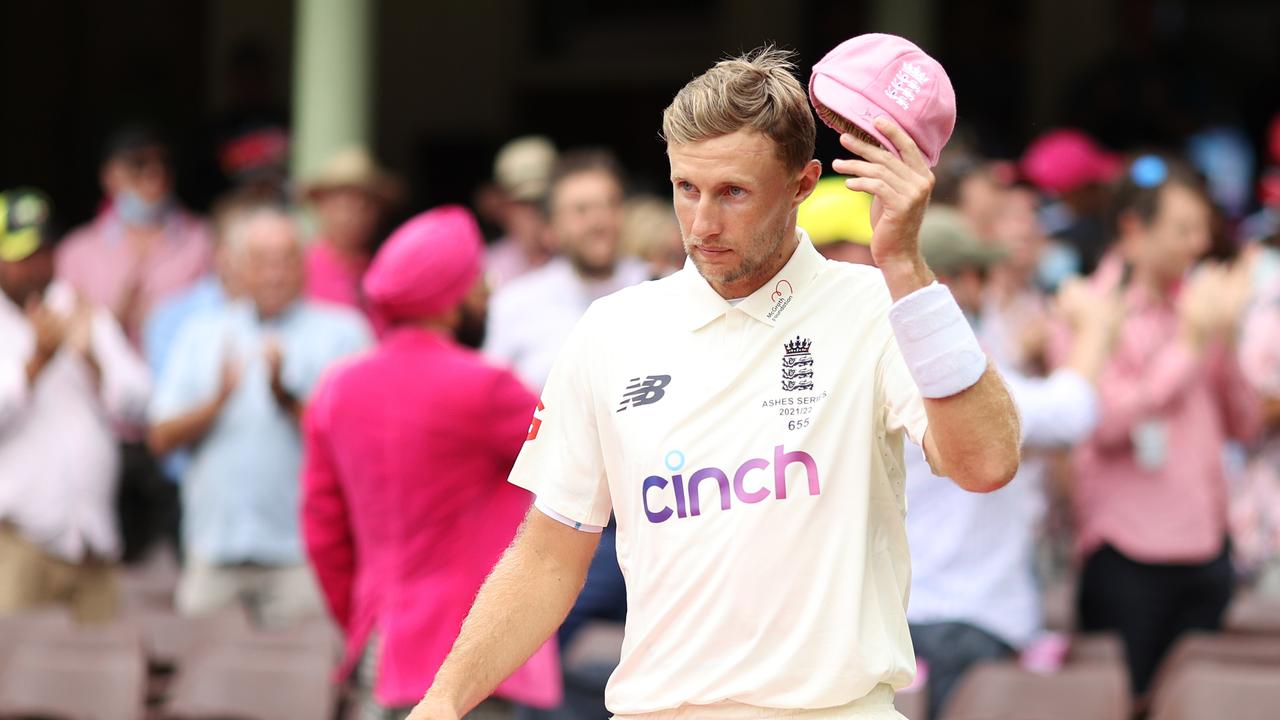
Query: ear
{"x": 807, "y": 181}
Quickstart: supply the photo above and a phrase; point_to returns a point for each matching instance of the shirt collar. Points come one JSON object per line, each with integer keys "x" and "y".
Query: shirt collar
{"x": 768, "y": 303}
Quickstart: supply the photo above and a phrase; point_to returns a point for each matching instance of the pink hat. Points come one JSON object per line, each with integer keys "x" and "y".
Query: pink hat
{"x": 427, "y": 265}
{"x": 1062, "y": 160}
{"x": 874, "y": 75}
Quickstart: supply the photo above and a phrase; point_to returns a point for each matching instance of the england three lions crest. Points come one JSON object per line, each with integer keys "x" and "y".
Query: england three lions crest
{"x": 797, "y": 365}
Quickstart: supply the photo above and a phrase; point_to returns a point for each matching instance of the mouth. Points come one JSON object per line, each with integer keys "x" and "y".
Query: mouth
{"x": 712, "y": 252}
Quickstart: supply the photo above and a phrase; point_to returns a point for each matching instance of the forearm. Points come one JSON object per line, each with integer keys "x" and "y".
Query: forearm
{"x": 184, "y": 430}
{"x": 973, "y": 436}
{"x": 522, "y": 603}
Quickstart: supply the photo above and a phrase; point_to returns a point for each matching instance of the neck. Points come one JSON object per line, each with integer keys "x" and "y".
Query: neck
{"x": 1152, "y": 284}
{"x": 348, "y": 248}
{"x": 591, "y": 274}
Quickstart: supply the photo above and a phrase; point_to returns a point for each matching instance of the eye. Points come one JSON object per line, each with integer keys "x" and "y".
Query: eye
{"x": 735, "y": 192}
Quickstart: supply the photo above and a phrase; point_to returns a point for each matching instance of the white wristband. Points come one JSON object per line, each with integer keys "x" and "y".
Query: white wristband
{"x": 936, "y": 342}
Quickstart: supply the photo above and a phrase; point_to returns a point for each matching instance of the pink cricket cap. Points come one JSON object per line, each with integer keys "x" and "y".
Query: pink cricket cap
{"x": 427, "y": 265}
{"x": 1062, "y": 160}
{"x": 875, "y": 75}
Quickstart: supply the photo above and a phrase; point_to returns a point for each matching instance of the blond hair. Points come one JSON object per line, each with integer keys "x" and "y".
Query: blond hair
{"x": 756, "y": 91}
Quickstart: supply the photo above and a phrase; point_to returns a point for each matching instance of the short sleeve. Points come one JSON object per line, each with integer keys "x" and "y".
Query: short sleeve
{"x": 902, "y": 404}
{"x": 562, "y": 462}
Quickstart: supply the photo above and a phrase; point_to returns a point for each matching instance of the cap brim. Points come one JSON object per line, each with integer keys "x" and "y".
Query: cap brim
{"x": 850, "y": 105}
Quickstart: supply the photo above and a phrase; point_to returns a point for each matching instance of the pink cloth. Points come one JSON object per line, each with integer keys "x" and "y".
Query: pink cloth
{"x": 99, "y": 263}
{"x": 427, "y": 266}
{"x": 1160, "y": 401}
{"x": 406, "y": 507}
{"x": 334, "y": 278}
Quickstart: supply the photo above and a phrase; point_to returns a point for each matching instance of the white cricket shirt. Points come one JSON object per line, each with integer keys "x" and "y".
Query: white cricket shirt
{"x": 753, "y": 457}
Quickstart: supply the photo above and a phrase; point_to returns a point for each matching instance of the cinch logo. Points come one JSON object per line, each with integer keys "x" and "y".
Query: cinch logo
{"x": 687, "y": 503}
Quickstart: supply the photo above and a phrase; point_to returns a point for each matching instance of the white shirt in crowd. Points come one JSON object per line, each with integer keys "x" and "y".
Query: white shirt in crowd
{"x": 752, "y": 454}
{"x": 531, "y": 317}
{"x": 59, "y": 455}
{"x": 972, "y": 554}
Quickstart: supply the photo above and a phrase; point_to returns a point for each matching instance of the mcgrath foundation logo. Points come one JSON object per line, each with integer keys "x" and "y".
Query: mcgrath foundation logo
{"x": 781, "y": 298}
{"x": 797, "y": 365}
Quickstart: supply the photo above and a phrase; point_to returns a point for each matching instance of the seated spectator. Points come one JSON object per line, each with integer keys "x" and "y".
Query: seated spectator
{"x": 350, "y": 195}
{"x": 232, "y": 393}
{"x": 405, "y": 447}
{"x": 143, "y": 247}
{"x": 67, "y": 374}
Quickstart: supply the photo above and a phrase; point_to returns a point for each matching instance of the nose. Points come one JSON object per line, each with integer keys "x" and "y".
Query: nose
{"x": 706, "y": 219}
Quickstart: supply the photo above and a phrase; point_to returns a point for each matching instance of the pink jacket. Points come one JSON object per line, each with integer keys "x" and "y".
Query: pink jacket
{"x": 406, "y": 507}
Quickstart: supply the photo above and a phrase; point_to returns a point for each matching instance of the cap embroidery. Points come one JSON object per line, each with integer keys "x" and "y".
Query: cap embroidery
{"x": 906, "y": 85}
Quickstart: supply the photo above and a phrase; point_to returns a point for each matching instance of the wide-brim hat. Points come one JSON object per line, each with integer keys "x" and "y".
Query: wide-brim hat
{"x": 355, "y": 168}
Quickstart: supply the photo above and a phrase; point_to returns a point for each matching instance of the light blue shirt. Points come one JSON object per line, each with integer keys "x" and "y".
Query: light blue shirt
{"x": 240, "y": 491}
{"x": 164, "y": 323}
{"x": 158, "y": 335}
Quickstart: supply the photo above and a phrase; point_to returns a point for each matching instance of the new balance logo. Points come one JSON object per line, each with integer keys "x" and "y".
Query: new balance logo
{"x": 644, "y": 392}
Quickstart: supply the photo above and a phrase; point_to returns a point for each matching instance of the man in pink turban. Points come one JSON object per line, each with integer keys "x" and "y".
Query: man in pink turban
{"x": 406, "y": 507}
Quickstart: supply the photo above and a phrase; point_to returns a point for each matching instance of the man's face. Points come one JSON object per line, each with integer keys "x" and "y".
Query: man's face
{"x": 1017, "y": 229}
{"x": 348, "y": 217}
{"x": 144, "y": 171}
{"x": 272, "y": 269}
{"x": 736, "y": 203}
{"x": 27, "y": 277}
{"x": 1178, "y": 236}
{"x": 586, "y": 220}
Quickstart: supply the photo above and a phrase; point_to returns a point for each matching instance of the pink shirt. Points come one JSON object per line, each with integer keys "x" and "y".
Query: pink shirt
{"x": 334, "y": 278}
{"x": 98, "y": 262}
{"x": 406, "y": 507}
{"x": 1150, "y": 481}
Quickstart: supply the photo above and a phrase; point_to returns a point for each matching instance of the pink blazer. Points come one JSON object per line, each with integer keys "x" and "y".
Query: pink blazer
{"x": 406, "y": 507}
